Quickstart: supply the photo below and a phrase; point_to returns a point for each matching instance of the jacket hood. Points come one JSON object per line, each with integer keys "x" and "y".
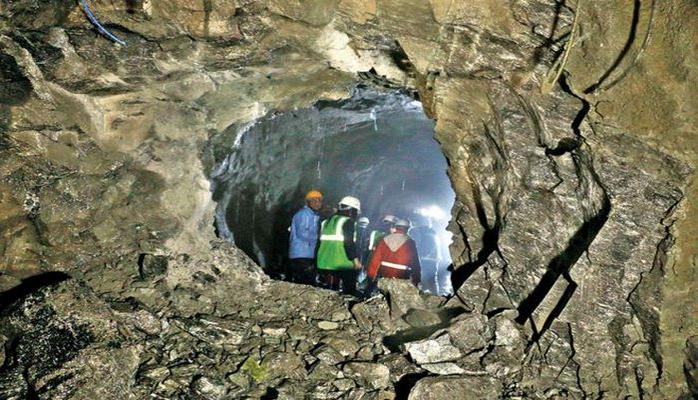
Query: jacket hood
{"x": 395, "y": 240}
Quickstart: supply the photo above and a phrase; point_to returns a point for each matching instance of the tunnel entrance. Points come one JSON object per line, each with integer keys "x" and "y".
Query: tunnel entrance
{"x": 377, "y": 146}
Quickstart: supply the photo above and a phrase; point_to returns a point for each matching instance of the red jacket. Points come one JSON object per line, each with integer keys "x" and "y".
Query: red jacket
{"x": 395, "y": 257}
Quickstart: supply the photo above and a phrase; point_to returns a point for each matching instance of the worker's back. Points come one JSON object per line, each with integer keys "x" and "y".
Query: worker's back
{"x": 331, "y": 254}
{"x": 303, "y": 234}
{"x": 395, "y": 257}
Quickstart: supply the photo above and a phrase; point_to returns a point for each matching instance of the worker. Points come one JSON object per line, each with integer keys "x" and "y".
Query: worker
{"x": 429, "y": 251}
{"x": 362, "y": 238}
{"x": 304, "y": 235}
{"x": 395, "y": 256}
{"x": 338, "y": 256}
{"x": 378, "y": 234}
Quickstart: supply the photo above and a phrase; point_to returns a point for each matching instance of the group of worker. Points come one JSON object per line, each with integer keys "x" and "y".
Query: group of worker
{"x": 339, "y": 252}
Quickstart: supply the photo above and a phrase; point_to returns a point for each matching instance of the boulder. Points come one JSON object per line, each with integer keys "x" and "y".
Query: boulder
{"x": 284, "y": 365}
{"x": 345, "y": 344}
{"x": 434, "y": 350}
{"x": 463, "y": 387}
{"x": 470, "y": 332}
{"x": 403, "y": 296}
{"x": 369, "y": 374}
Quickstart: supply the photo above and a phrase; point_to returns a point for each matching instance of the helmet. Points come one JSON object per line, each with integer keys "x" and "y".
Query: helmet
{"x": 363, "y": 222}
{"x": 403, "y": 223}
{"x": 313, "y": 194}
{"x": 389, "y": 219}
{"x": 350, "y": 202}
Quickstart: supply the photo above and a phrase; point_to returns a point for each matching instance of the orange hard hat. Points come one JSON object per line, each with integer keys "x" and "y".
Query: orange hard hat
{"x": 313, "y": 194}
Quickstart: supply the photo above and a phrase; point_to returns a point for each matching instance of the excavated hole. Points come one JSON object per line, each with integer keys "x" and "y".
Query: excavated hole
{"x": 377, "y": 146}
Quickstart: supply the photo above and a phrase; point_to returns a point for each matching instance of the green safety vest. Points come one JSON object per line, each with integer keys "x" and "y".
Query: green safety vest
{"x": 331, "y": 254}
{"x": 375, "y": 237}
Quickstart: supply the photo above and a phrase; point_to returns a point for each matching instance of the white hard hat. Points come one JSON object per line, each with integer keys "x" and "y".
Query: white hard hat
{"x": 403, "y": 223}
{"x": 363, "y": 221}
{"x": 349, "y": 201}
{"x": 390, "y": 219}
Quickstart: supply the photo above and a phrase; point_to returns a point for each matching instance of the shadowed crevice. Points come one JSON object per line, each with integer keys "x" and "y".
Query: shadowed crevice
{"x": 29, "y": 286}
{"x": 404, "y": 386}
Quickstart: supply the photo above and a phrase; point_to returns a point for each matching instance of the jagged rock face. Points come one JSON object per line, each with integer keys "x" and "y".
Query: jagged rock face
{"x": 574, "y": 221}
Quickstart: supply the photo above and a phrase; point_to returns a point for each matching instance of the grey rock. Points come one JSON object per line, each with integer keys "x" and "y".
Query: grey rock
{"x": 184, "y": 372}
{"x": 328, "y": 354}
{"x": 384, "y": 394}
{"x": 422, "y": 318}
{"x": 216, "y": 333}
{"x": 298, "y": 331}
{"x": 470, "y": 332}
{"x": 509, "y": 347}
{"x": 343, "y": 384}
{"x": 322, "y": 371}
{"x": 240, "y": 379}
{"x": 399, "y": 366}
{"x": 466, "y": 387}
{"x": 328, "y": 325}
{"x": 291, "y": 390}
{"x": 276, "y": 330}
{"x": 365, "y": 353}
{"x": 373, "y": 375}
{"x": 434, "y": 350}
{"x": 208, "y": 388}
{"x": 284, "y": 365}
{"x": 345, "y": 344}
{"x": 154, "y": 373}
{"x": 340, "y": 316}
{"x": 373, "y": 314}
{"x": 189, "y": 302}
{"x": 404, "y": 296}
{"x": 447, "y": 368}
{"x": 146, "y": 322}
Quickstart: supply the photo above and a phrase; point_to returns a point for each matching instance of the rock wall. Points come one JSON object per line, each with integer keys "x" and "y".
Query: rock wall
{"x": 570, "y": 134}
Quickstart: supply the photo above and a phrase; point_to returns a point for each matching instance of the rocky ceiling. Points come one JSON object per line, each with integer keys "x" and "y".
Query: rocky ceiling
{"x": 569, "y": 128}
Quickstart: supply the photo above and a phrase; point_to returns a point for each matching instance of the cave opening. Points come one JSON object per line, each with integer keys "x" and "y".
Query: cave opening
{"x": 378, "y": 146}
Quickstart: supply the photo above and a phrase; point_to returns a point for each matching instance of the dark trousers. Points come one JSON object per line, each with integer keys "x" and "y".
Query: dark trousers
{"x": 302, "y": 270}
{"x": 344, "y": 278}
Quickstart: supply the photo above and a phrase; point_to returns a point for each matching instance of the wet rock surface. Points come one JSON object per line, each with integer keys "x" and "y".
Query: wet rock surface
{"x": 570, "y": 135}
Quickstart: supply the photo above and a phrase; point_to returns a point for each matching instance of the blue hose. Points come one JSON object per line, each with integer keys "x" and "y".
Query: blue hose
{"x": 99, "y": 26}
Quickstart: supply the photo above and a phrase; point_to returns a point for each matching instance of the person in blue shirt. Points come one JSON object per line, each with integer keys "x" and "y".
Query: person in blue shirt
{"x": 305, "y": 232}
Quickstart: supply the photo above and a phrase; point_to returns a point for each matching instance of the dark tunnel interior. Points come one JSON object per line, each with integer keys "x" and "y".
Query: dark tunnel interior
{"x": 377, "y": 146}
